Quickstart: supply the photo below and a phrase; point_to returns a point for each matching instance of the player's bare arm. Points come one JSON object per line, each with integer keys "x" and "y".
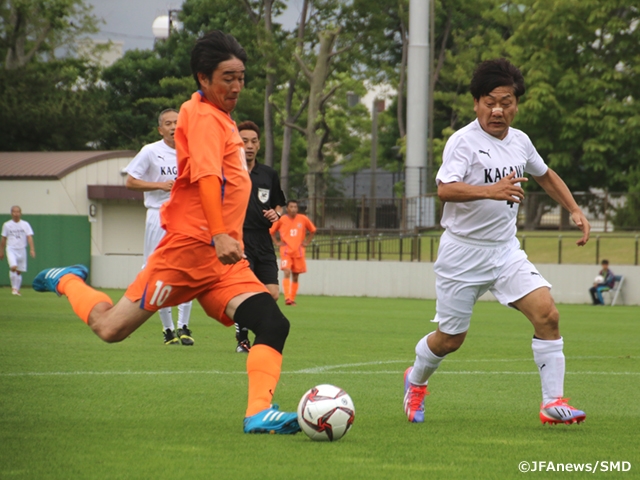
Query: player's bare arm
{"x": 143, "y": 186}
{"x": 308, "y": 240}
{"x": 505, "y": 189}
{"x": 275, "y": 240}
{"x": 558, "y": 190}
{"x": 32, "y": 248}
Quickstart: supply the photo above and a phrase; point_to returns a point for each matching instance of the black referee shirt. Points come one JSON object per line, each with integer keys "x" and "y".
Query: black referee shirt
{"x": 266, "y": 194}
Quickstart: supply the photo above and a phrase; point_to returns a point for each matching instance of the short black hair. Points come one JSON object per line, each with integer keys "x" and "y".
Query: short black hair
{"x": 492, "y": 74}
{"x": 604, "y": 262}
{"x": 249, "y": 125}
{"x": 292, "y": 201}
{"x": 211, "y": 49}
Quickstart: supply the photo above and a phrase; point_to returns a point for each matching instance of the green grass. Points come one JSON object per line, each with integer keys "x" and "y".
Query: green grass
{"x": 72, "y": 406}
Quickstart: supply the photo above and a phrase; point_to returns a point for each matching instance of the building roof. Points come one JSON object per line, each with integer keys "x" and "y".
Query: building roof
{"x": 51, "y": 165}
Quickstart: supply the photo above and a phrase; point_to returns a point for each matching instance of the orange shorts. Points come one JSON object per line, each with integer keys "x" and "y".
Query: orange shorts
{"x": 183, "y": 268}
{"x": 295, "y": 264}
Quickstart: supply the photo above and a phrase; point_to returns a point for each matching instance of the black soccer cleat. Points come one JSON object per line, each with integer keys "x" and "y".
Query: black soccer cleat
{"x": 185, "y": 336}
{"x": 170, "y": 337}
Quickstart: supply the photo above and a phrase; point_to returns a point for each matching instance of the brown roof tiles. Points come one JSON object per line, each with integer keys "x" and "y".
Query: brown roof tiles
{"x": 50, "y": 165}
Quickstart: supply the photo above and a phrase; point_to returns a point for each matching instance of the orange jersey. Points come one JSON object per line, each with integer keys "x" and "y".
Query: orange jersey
{"x": 207, "y": 143}
{"x": 292, "y": 233}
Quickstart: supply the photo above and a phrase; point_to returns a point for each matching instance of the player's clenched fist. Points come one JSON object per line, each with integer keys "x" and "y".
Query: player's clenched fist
{"x": 227, "y": 249}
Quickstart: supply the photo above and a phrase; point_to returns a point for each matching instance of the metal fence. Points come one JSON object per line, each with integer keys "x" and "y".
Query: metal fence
{"x": 423, "y": 247}
{"x": 365, "y": 215}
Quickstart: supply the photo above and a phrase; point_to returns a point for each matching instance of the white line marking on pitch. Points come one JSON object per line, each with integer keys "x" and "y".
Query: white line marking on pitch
{"x": 300, "y": 372}
{"x": 338, "y": 369}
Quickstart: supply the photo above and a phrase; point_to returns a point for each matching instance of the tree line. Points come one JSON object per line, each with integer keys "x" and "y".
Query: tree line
{"x": 580, "y": 60}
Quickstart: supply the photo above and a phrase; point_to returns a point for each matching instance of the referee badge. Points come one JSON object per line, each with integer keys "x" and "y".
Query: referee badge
{"x": 263, "y": 195}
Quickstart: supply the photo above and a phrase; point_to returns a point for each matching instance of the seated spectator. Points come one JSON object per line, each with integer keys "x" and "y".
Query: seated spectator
{"x": 604, "y": 281}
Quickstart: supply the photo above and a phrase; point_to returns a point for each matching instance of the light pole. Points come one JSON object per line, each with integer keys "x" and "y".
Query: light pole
{"x": 377, "y": 107}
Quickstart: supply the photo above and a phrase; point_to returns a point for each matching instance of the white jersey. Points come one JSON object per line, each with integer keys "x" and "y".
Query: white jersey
{"x": 156, "y": 162}
{"x": 16, "y": 234}
{"x": 474, "y": 157}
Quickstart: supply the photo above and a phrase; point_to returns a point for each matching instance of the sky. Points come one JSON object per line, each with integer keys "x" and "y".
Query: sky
{"x": 130, "y": 21}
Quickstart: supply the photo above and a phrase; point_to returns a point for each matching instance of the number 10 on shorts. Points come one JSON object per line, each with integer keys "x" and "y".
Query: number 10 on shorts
{"x": 160, "y": 294}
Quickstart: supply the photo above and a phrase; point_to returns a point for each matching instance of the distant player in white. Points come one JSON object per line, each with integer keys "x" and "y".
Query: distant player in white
{"x": 16, "y": 234}
{"x": 483, "y": 166}
{"x": 153, "y": 171}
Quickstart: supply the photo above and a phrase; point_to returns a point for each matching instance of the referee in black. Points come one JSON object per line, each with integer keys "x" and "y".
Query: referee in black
{"x": 265, "y": 207}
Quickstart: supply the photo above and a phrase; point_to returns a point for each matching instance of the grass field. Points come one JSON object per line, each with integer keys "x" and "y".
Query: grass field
{"x": 73, "y": 407}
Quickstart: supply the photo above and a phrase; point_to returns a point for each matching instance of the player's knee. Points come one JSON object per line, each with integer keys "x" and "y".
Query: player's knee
{"x": 260, "y": 314}
{"x": 548, "y": 319}
{"x": 108, "y": 333}
{"x": 443, "y": 343}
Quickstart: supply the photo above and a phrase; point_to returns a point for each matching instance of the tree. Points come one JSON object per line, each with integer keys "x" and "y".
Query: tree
{"x": 30, "y": 28}
{"x": 47, "y": 103}
{"x": 50, "y": 106}
{"x": 582, "y": 104}
{"x": 138, "y": 87}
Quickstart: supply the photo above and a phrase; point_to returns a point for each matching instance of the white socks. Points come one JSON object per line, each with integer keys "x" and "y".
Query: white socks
{"x": 184, "y": 312}
{"x": 16, "y": 280}
{"x": 550, "y": 361}
{"x": 425, "y": 364}
{"x": 165, "y": 317}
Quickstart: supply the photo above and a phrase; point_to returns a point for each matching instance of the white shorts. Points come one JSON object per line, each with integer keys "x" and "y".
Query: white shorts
{"x": 17, "y": 258}
{"x": 153, "y": 232}
{"x": 466, "y": 269}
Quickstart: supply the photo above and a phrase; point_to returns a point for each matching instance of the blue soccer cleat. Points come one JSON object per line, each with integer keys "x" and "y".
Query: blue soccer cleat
{"x": 47, "y": 280}
{"x": 414, "y": 399}
{"x": 271, "y": 420}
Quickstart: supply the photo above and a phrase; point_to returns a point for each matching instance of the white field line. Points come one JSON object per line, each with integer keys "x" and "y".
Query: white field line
{"x": 340, "y": 369}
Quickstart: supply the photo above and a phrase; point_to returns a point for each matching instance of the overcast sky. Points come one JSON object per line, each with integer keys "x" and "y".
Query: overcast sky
{"x": 130, "y": 21}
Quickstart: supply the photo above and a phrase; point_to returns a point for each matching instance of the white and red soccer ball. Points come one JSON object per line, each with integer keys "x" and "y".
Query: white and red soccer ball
{"x": 326, "y": 413}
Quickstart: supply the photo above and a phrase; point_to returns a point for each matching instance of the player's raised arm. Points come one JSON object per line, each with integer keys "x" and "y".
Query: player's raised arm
{"x": 558, "y": 190}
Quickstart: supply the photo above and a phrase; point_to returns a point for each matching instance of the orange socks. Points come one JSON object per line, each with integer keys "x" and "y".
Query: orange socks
{"x": 286, "y": 287}
{"x": 294, "y": 291}
{"x": 81, "y": 296}
{"x": 263, "y": 367}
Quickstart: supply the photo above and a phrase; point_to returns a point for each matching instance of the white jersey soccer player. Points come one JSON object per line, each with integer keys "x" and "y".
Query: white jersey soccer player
{"x": 153, "y": 171}
{"x": 16, "y": 235}
{"x": 483, "y": 166}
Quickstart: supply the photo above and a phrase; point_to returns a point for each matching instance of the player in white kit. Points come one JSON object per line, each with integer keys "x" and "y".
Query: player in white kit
{"x": 16, "y": 234}
{"x": 153, "y": 171}
{"x": 482, "y": 168}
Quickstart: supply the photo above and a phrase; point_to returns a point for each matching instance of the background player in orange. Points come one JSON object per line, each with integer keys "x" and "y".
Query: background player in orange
{"x": 201, "y": 255}
{"x": 293, "y": 228}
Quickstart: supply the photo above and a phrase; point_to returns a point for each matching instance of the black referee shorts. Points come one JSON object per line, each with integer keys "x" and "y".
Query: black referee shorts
{"x": 258, "y": 247}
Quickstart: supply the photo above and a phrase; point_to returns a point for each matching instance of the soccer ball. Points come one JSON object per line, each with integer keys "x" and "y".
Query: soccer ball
{"x": 326, "y": 413}
{"x": 598, "y": 279}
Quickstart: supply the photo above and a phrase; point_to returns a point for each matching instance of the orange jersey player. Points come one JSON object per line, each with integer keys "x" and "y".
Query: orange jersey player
{"x": 293, "y": 228}
{"x": 201, "y": 255}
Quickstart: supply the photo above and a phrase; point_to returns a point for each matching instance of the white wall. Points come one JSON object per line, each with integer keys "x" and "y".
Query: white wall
{"x": 68, "y": 196}
{"x": 114, "y": 271}
{"x": 571, "y": 283}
